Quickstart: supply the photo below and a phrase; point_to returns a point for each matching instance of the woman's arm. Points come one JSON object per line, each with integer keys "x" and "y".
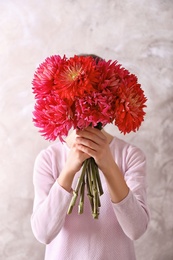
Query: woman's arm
{"x": 128, "y": 192}
{"x": 52, "y": 196}
{"x": 51, "y": 201}
{"x": 133, "y": 213}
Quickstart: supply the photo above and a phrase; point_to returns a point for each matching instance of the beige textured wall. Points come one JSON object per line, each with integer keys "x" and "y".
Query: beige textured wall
{"x": 139, "y": 34}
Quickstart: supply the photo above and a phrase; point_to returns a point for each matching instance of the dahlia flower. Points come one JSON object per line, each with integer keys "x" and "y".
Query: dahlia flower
{"x": 53, "y": 116}
{"x": 130, "y": 102}
{"x": 44, "y": 77}
{"x": 78, "y": 77}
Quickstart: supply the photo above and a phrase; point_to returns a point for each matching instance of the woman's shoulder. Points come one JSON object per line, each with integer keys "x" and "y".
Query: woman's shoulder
{"x": 55, "y": 149}
{"x": 125, "y": 147}
{"x": 120, "y": 143}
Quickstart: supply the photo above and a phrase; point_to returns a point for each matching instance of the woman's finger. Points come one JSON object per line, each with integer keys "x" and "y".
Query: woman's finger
{"x": 92, "y": 134}
{"x": 87, "y": 143}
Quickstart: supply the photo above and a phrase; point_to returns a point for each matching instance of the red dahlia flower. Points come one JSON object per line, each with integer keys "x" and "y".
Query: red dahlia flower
{"x": 93, "y": 109}
{"x": 43, "y": 81}
{"x": 77, "y": 78}
{"x": 53, "y": 116}
{"x": 130, "y": 102}
{"x": 109, "y": 80}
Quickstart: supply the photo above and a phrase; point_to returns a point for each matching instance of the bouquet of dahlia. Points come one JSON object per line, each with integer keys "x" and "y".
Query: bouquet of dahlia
{"x": 82, "y": 91}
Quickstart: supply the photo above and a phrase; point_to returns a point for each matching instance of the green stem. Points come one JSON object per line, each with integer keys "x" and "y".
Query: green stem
{"x": 98, "y": 179}
{"x": 95, "y": 192}
{"x": 89, "y": 186}
{"x": 81, "y": 202}
{"x": 79, "y": 183}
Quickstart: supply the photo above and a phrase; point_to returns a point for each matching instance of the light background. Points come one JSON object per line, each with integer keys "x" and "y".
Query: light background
{"x": 139, "y": 34}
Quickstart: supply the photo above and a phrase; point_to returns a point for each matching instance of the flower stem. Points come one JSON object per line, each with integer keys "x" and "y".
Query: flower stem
{"x": 78, "y": 186}
{"x": 95, "y": 211}
{"x": 81, "y": 202}
{"x": 89, "y": 188}
{"x": 98, "y": 178}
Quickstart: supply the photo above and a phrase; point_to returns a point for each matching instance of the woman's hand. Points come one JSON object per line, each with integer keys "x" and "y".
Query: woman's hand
{"x": 73, "y": 164}
{"x": 94, "y": 143}
{"x": 75, "y": 159}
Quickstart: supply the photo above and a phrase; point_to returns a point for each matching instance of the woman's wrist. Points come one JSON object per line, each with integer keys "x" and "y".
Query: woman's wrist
{"x": 116, "y": 184}
{"x": 65, "y": 179}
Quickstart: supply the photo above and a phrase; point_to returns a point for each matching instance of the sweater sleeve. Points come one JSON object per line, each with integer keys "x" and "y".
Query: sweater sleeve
{"x": 50, "y": 203}
{"x": 132, "y": 212}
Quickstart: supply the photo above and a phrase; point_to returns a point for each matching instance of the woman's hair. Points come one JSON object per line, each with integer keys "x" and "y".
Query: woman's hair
{"x": 95, "y": 57}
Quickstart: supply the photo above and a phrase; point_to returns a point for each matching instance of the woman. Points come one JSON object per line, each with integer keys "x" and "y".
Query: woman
{"x": 123, "y": 215}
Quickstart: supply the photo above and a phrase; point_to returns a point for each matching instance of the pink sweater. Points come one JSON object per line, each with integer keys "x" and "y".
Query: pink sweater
{"x": 80, "y": 237}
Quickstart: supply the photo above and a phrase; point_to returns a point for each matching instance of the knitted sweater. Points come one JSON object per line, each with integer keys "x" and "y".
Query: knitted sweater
{"x": 76, "y": 237}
